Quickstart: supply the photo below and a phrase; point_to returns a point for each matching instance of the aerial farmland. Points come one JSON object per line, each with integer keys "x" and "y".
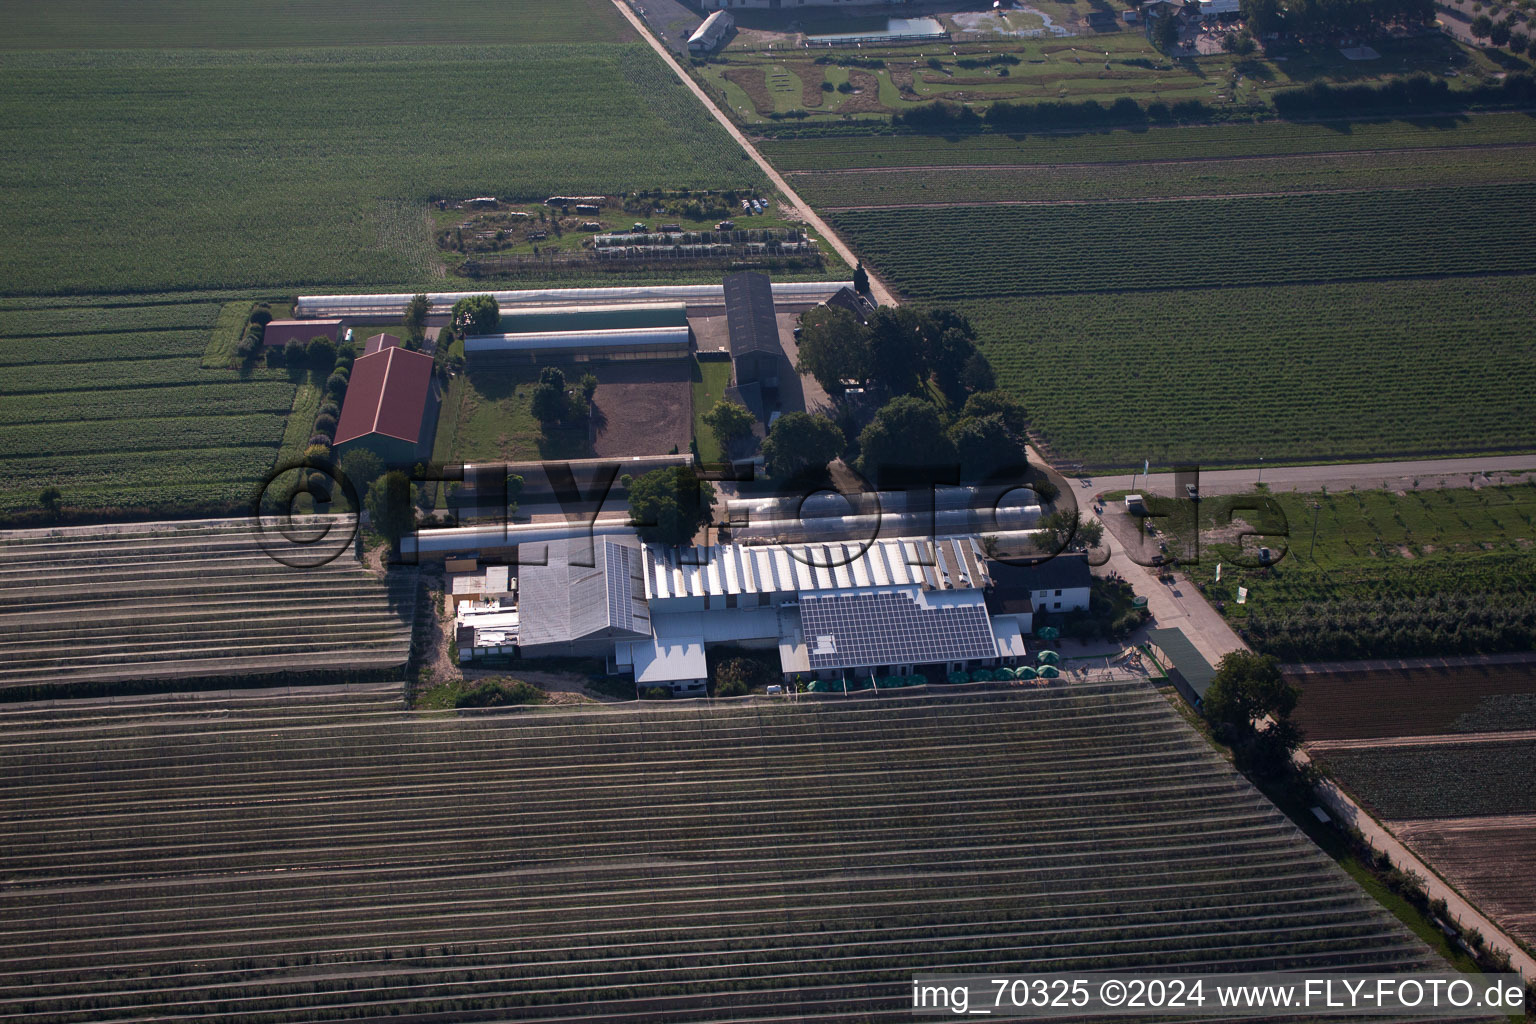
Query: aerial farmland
{"x": 645, "y": 510}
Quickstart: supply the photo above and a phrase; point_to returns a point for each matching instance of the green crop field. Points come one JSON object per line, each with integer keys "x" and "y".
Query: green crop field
{"x": 974, "y": 252}
{"x": 1432, "y": 571}
{"x": 1453, "y": 780}
{"x": 1228, "y": 374}
{"x": 341, "y": 860}
{"x": 234, "y": 169}
{"x": 1352, "y": 171}
{"x": 114, "y": 408}
{"x": 1271, "y": 138}
{"x": 110, "y": 24}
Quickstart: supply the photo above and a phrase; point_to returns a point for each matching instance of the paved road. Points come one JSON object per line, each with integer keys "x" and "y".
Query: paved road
{"x": 1385, "y": 475}
{"x": 802, "y": 209}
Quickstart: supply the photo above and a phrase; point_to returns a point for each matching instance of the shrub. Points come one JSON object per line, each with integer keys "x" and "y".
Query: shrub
{"x": 336, "y": 384}
{"x": 274, "y": 356}
{"x": 329, "y": 408}
{"x": 248, "y": 348}
{"x": 657, "y": 693}
{"x": 261, "y": 316}
{"x": 845, "y": 87}
{"x": 492, "y": 693}
{"x": 293, "y": 352}
{"x": 321, "y": 352}
{"x": 325, "y": 424}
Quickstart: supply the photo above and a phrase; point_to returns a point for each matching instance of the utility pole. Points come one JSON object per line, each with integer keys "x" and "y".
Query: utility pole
{"x": 1261, "y": 470}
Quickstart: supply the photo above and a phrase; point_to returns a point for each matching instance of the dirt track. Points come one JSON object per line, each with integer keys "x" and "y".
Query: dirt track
{"x": 800, "y": 208}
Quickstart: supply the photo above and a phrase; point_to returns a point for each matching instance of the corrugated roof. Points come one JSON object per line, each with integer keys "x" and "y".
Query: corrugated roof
{"x": 379, "y": 342}
{"x": 281, "y": 332}
{"x": 749, "y": 314}
{"x": 722, "y": 569}
{"x": 618, "y": 316}
{"x": 387, "y": 395}
{"x": 562, "y": 601}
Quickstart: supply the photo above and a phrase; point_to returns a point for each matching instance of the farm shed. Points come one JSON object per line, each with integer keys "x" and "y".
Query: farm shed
{"x": 750, "y": 316}
{"x": 1188, "y": 670}
{"x": 709, "y": 35}
{"x": 579, "y": 596}
{"x": 579, "y": 346}
{"x": 379, "y": 342}
{"x": 1217, "y": 8}
{"x": 281, "y": 332}
{"x": 608, "y": 317}
{"x": 390, "y": 408}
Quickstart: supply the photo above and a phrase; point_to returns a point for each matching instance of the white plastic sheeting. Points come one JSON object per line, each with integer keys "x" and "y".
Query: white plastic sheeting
{"x": 576, "y": 341}
{"x": 393, "y": 305}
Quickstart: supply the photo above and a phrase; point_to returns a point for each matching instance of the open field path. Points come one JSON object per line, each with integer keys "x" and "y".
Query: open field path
{"x": 1429, "y": 473}
{"x": 1159, "y": 162}
{"x": 1448, "y": 661}
{"x": 801, "y": 208}
{"x": 1440, "y": 739}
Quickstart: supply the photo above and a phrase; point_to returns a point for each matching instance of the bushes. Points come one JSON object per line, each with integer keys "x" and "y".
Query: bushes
{"x": 1003, "y": 116}
{"x": 325, "y": 424}
{"x": 336, "y": 384}
{"x": 493, "y": 693}
{"x": 1416, "y": 94}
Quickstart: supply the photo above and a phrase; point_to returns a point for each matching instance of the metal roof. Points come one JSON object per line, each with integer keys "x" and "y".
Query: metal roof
{"x": 393, "y": 304}
{"x": 713, "y": 27}
{"x": 953, "y": 563}
{"x": 616, "y": 316}
{"x": 561, "y": 599}
{"x": 576, "y": 341}
{"x": 387, "y": 395}
{"x": 1186, "y": 660}
{"x": 749, "y": 314}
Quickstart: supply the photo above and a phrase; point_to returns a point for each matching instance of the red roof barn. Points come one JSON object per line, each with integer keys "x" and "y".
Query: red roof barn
{"x": 379, "y": 342}
{"x": 389, "y": 408}
{"x": 281, "y": 332}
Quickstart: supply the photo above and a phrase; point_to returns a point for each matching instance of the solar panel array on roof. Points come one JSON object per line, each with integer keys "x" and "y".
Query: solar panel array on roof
{"x": 856, "y": 630}
{"x": 620, "y": 565}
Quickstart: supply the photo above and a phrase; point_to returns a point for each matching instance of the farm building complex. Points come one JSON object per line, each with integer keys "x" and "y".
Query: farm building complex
{"x": 837, "y": 611}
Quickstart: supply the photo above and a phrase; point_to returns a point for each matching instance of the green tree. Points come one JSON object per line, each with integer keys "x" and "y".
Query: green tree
{"x": 362, "y": 467}
{"x": 1247, "y": 686}
{"x": 390, "y": 511}
{"x": 1499, "y": 34}
{"x": 977, "y": 375}
{"x": 986, "y": 447}
{"x": 907, "y": 432}
{"x": 1065, "y": 529}
{"x": 987, "y": 403}
{"x": 294, "y": 353}
{"x": 729, "y": 422}
{"x": 588, "y": 385}
{"x": 321, "y": 353}
{"x": 50, "y": 499}
{"x": 667, "y": 506}
{"x": 799, "y": 445}
{"x": 897, "y": 349}
{"x": 476, "y": 314}
{"x": 834, "y": 347}
{"x": 860, "y": 275}
{"x": 1262, "y": 17}
{"x": 1482, "y": 26}
{"x": 416, "y": 321}
{"x": 550, "y": 403}
{"x": 1165, "y": 33}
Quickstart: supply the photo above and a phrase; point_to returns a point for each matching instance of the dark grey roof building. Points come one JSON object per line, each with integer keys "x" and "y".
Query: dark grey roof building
{"x": 754, "y": 329}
